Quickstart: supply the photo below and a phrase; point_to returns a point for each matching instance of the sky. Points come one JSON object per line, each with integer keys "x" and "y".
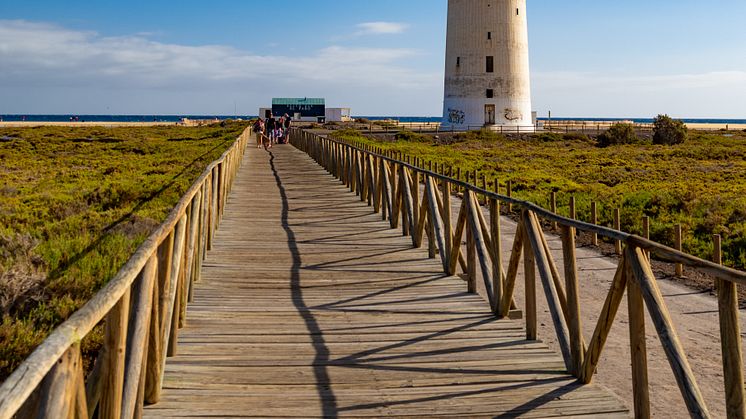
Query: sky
{"x": 381, "y": 58}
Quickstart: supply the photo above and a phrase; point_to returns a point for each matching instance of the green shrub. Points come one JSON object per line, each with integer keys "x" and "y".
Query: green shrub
{"x": 548, "y": 137}
{"x": 412, "y": 137}
{"x": 575, "y": 136}
{"x": 76, "y": 203}
{"x": 362, "y": 120}
{"x": 668, "y": 131}
{"x": 346, "y": 134}
{"x": 620, "y": 133}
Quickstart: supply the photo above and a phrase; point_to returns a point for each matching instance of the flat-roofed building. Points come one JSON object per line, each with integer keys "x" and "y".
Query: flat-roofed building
{"x": 300, "y": 109}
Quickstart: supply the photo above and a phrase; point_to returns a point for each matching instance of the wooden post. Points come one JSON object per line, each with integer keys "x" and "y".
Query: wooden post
{"x": 509, "y": 192}
{"x": 214, "y": 205}
{"x": 484, "y": 187}
{"x": 59, "y": 389}
{"x": 646, "y": 231}
{"x": 553, "y": 207}
{"x": 437, "y": 228}
{"x": 678, "y": 246}
{"x": 431, "y": 241}
{"x": 137, "y": 336}
{"x": 174, "y": 310}
{"x": 497, "y": 265}
{"x": 115, "y": 340}
{"x": 447, "y": 225}
{"x": 594, "y": 221}
{"x": 572, "y": 288}
{"x": 618, "y": 227}
{"x": 658, "y": 310}
{"x": 155, "y": 343}
{"x": 730, "y": 340}
{"x": 529, "y": 267}
{"x": 208, "y": 212}
{"x": 80, "y": 399}
{"x": 638, "y": 348}
{"x": 471, "y": 254}
{"x": 386, "y": 192}
{"x": 573, "y": 213}
{"x": 416, "y": 206}
{"x": 409, "y": 227}
{"x": 458, "y": 177}
{"x": 193, "y": 245}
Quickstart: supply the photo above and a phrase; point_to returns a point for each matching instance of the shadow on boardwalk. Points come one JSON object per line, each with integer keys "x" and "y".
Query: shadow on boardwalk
{"x": 310, "y": 306}
{"x": 326, "y": 394}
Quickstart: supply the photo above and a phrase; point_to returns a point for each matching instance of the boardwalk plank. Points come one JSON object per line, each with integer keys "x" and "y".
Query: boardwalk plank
{"x": 309, "y": 306}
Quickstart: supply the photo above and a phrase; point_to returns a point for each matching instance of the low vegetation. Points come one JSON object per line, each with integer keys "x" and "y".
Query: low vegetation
{"x": 668, "y": 131}
{"x": 74, "y": 205}
{"x": 620, "y": 133}
{"x": 700, "y": 184}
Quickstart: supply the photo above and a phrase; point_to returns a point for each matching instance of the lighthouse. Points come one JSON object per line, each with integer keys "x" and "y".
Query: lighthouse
{"x": 487, "y": 78}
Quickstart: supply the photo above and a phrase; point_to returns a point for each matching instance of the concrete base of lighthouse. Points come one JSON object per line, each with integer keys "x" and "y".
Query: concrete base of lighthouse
{"x": 499, "y": 115}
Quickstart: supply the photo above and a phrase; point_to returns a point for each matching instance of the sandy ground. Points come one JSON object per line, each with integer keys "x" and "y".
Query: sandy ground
{"x": 711, "y": 127}
{"x": 695, "y": 315}
{"x": 702, "y": 127}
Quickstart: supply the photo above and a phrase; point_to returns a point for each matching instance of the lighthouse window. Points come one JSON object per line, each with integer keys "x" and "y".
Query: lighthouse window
{"x": 517, "y": 12}
{"x": 490, "y": 93}
{"x": 458, "y": 61}
{"x": 489, "y": 35}
{"x": 490, "y": 64}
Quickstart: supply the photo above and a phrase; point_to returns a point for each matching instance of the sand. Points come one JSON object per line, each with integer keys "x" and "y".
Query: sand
{"x": 591, "y": 124}
{"x": 695, "y": 316}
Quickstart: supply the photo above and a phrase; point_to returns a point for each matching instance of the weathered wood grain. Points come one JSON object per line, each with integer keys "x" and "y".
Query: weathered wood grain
{"x": 311, "y": 306}
{"x": 643, "y": 275}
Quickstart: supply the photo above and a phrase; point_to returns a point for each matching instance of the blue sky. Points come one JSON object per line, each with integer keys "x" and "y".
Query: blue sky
{"x": 383, "y": 57}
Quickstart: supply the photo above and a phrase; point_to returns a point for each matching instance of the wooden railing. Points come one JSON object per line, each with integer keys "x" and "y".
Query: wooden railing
{"x": 142, "y": 309}
{"x": 392, "y": 187}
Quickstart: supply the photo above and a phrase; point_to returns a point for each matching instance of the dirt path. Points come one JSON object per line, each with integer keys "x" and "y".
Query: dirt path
{"x": 695, "y": 316}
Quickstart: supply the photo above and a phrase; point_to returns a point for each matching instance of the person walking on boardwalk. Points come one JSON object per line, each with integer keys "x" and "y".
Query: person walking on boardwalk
{"x": 259, "y": 131}
{"x": 271, "y": 124}
{"x": 287, "y": 124}
{"x": 278, "y": 131}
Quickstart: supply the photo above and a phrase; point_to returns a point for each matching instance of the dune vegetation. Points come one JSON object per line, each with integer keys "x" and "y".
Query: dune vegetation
{"x": 700, "y": 184}
{"x": 74, "y": 205}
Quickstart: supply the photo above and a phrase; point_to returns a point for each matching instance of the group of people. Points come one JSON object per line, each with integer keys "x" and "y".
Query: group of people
{"x": 272, "y": 131}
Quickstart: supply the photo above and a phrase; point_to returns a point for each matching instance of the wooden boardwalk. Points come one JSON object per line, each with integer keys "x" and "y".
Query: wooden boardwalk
{"x": 310, "y": 306}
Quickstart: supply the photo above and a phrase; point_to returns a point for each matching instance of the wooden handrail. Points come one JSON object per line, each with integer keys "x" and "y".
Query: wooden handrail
{"x": 371, "y": 174}
{"x": 664, "y": 252}
{"x": 136, "y": 276}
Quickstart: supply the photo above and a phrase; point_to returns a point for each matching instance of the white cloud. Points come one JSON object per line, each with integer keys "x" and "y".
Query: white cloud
{"x": 42, "y": 55}
{"x": 64, "y": 54}
{"x": 381, "y": 28}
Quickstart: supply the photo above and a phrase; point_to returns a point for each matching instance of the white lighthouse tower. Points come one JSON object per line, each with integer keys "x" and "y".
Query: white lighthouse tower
{"x": 487, "y": 79}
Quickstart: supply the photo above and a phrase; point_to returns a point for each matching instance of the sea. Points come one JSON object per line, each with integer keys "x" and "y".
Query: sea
{"x": 408, "y": 119}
